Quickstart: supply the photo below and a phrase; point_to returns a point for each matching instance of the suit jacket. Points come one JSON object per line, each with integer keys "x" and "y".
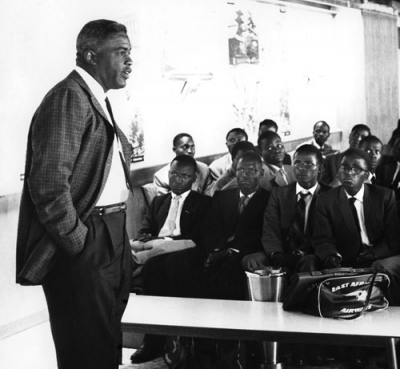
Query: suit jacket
{"x": 67, "y": 164}
{"x": 330, "y": 167}
{"x": 335, "y": 230}
{"x": 202, "y": 183}
{"x": 270, "y": 179}
{"x": 223, "y": 221}
{"x": 279, "y": 216}
{"x": 385, "y": 171}
{"x": 191, "y": 221}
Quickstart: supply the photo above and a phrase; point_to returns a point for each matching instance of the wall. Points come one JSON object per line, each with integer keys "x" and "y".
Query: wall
{"x": 184, "y": 36}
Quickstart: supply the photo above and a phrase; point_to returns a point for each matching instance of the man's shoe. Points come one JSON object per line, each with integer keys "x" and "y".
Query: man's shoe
{"x": 145, "y": 353}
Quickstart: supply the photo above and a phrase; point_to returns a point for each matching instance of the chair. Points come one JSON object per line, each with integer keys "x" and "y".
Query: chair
{"x": 149, "y": 192}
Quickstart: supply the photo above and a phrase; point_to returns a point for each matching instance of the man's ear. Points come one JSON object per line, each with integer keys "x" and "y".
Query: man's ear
{"x": 366, "y": 175}
{"x": 174, "y": 149}
{"x": 194, "y": 177}
{"x": 90, "y": 57}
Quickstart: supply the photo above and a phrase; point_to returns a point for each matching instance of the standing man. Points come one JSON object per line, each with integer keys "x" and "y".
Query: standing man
{"x": 71, "y": 235}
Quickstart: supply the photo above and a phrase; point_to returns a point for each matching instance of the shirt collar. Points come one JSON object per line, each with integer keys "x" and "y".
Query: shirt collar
{"x": 359, "y": 195}
{"x": 94, "y": 87}
{"x": 276, "y": 168}
{"x": 249, "y": 195}
{"x": 182, "y": 195}
{"x": 314, "y": 143}
{"x": 310, "y": 190}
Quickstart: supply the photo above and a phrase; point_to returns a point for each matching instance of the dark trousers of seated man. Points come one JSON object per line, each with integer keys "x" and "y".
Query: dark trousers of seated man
{"x": 177, "y": 274}
{"x": 87, "y": 294}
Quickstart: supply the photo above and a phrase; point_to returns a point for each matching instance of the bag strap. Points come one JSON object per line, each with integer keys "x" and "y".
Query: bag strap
{"x": 370, "y": 287}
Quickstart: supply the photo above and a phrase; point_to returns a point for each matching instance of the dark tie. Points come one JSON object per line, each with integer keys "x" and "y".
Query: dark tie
{"x": 297, "y": 232}
{"x": 352, "y": 200}
{"x": 373, "y": 179}
{"x": 242, "y": 203}
{"x": 118, "y": 142}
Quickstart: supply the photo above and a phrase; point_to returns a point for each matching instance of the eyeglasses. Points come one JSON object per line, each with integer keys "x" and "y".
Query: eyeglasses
{"x": 304, "y": 165}
{"x": 355, "y": 171}
{"x": 185, "y": 177}
{"x": 247, "y": 171}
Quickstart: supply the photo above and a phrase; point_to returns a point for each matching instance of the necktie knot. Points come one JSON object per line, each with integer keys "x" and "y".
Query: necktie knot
{"x": 304, "y": 195}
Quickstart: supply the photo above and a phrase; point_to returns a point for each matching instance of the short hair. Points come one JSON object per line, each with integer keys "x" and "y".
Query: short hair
{"x": 394, "y": 137}
{"x": 239, "y": 131}
{"x": 240, "y": 146}
{"x": 185, "y": 160}
{"x": 251, "y": 155}
{"x": 310, "y": 150}
{"x": 269, "y": 123}
{"x": 178, "y": 137}
{"x": 370, "y": 139}
{"x": 94, "y": 33}
{"x": 323, "y": 123}
{"x": 358, "y": 154}
{"x": 361, "y": 126}
{"x": 268, "y": 135}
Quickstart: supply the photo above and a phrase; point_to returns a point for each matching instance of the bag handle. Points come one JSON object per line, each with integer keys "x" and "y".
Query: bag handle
{"x": 344, "y": 271}
{"x": 370, "y": 287}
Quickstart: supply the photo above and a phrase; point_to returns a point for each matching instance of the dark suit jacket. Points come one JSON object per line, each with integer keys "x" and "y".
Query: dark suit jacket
{"x": 385, "y": 171}
{"x": 192, "y": 217}
{"x": 335, "y": 230}
{"x": 67, "y": 164}
{"x": 330, "y": 168}
{"x": 279, "y": 216}
{"x": 224, "y": 221}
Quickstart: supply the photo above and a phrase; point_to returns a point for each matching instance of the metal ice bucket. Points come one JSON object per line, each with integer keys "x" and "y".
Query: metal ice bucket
{"x": 268, "y": 284}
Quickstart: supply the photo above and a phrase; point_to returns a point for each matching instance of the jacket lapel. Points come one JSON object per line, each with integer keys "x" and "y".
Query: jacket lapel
{"x": 369, "y": 211}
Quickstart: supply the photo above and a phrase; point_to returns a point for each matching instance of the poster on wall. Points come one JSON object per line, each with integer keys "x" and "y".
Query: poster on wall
{"x": 243, "y": 40}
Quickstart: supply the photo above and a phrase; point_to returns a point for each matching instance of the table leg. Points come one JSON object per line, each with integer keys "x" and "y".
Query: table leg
{"x": 391, "y": 351}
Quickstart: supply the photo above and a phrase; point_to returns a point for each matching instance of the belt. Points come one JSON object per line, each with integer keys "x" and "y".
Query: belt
{"x": 109, "y": 209}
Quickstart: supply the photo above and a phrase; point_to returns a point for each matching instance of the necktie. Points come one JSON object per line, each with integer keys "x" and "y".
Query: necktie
{"x": 121, "y": 155}
{"x": 282, "y": 172}
{"x": 242, "y": 203}
{"x": 298, "y": 230}
{"x": 373, "y": 179}
{"x": 173, "y": 211}
{"x": 352, "y": 200}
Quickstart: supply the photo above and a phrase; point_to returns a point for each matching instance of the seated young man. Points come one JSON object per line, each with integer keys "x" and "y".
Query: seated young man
{"x": 183, "y": 144}
{"x": 276, "y": 173}
{"x": 237, "y": 151}
{"x": 373, "y": 146}
{"x": 169, "y": 244}
{"x": 290, "y": 217}
{"x": 233, "y": 230}
{"x": 321, "y": 133}
{"x": 269, "y": 125}
{"x": 332, "y": 162}
{"x": 357, "y": 224}
{"x": 219, "y": 166}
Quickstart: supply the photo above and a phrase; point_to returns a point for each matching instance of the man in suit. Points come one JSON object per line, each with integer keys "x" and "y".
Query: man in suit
{"x": 321, "y": 133}
{"x": 289, "y": 218}
{"x": 332, "y": 162}
{"x": 221, "y": 165}
{"x": 171, "y": 231}
{"x": 183, "y": 144}
{"x": 357, "y": 224}
{"x": 233, "y": 230}
{"x": 270, "y": 125}
{"x": 71, "y": 233}
{"x": 373, "y": 146}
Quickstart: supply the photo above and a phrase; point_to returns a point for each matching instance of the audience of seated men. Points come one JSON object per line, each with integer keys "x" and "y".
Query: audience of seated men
{"x": 270, "y": 125}
{"x": 332, "y": 162}
{"x": 321, "y": 133}
{"x": 169, "y": 245}
{"x": 234, "y": 229}
{"x": 276, "y": 173}
{"x": 237, "y": 151}
{"x": 183, "y": 144}
{"x": 372, "y": 145}
{"x": 357, "y": 226}
{"x": 219, "y": 166}
{"x": 289, "y": 218}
